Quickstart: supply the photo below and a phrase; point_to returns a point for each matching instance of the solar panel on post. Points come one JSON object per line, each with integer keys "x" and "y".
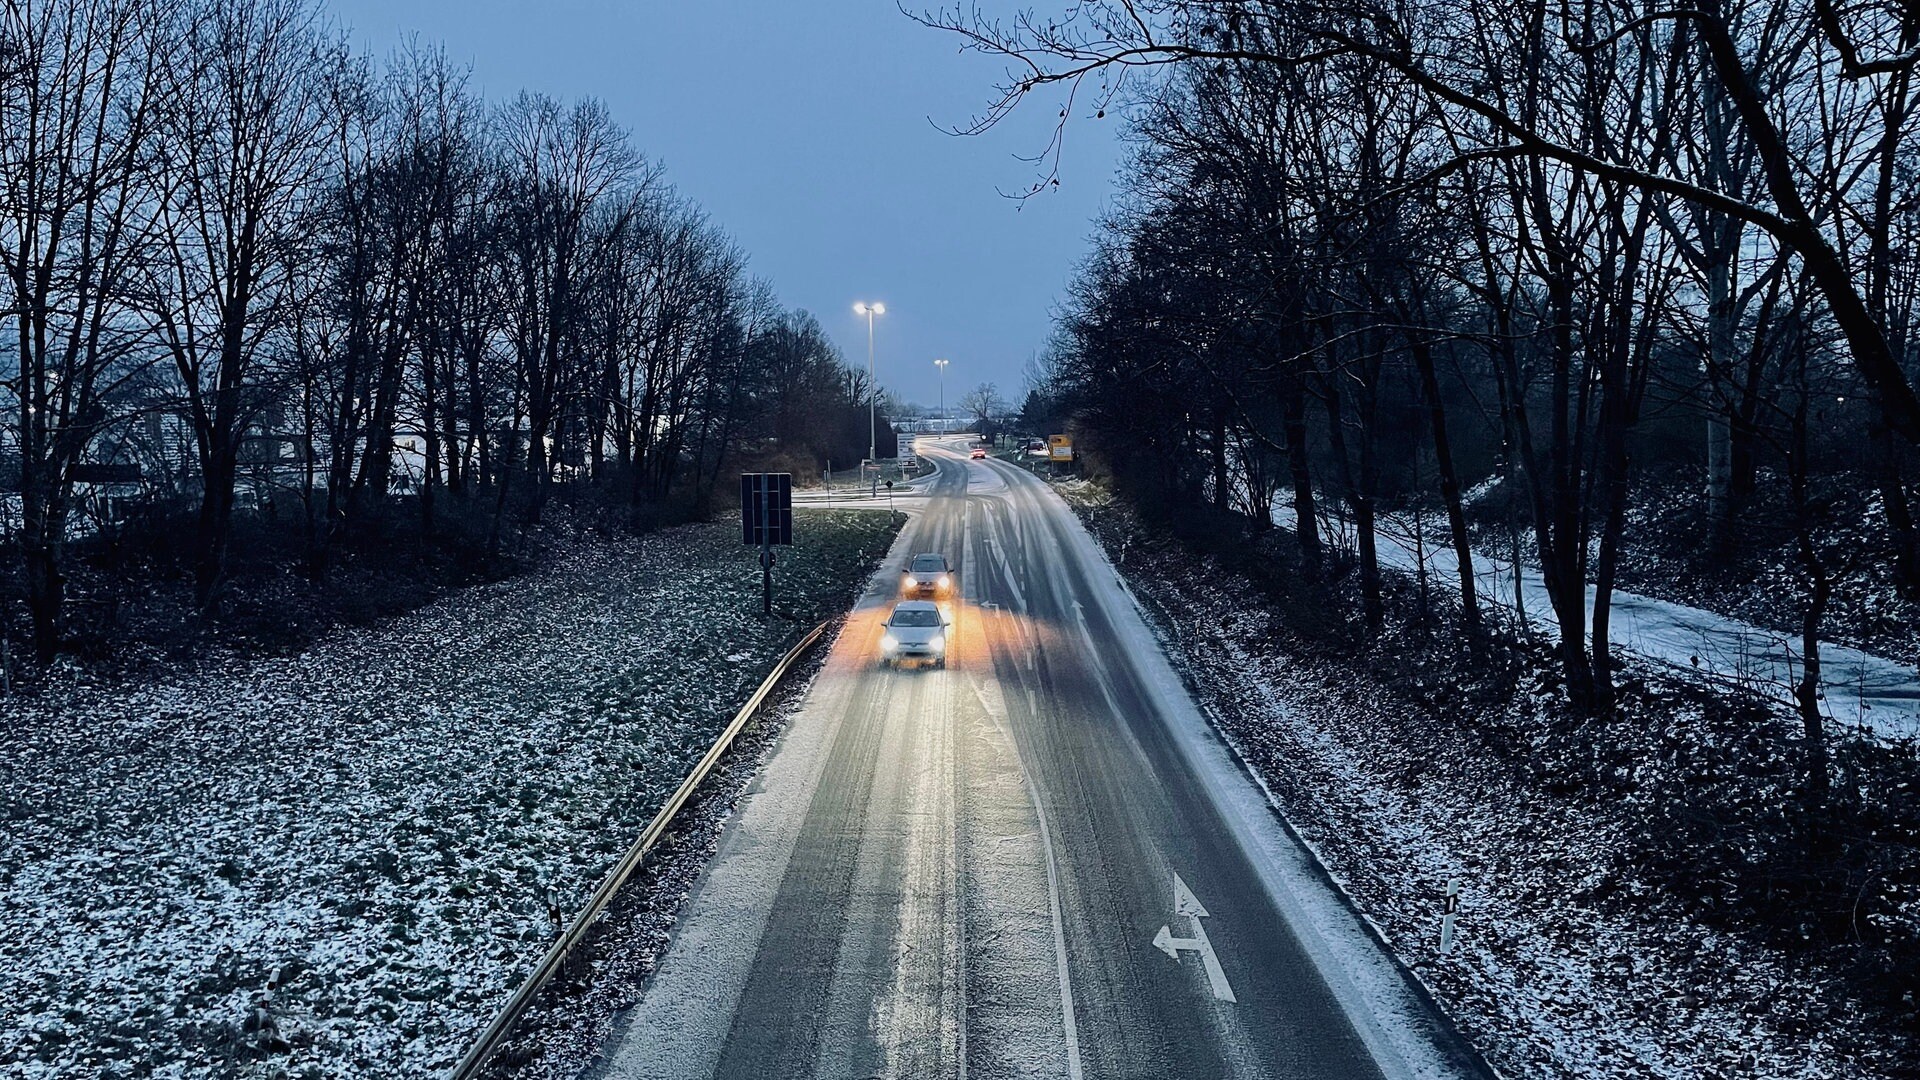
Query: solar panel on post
{"x": 766, "y": 508}
{"x": 780, "y": 507}
{"x": 750, "y": 523}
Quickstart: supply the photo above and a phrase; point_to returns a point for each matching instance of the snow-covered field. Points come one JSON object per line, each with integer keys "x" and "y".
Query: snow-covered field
{"x": 339, "y": 863}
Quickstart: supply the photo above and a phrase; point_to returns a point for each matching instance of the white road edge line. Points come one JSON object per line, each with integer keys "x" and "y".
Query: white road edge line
{"x": 947, "y": 676}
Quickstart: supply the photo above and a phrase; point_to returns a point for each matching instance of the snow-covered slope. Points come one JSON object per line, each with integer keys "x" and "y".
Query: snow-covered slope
{"x": 339, "y": 863}
{"x": 1863, "y": 691}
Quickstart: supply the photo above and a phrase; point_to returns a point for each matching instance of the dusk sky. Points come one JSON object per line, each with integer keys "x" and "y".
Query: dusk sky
{"x": 807, "y": 130}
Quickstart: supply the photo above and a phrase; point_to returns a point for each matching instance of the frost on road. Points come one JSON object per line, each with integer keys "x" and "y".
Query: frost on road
{"x": 340, "y": 862}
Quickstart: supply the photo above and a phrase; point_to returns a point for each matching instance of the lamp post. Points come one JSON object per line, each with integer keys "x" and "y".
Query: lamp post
{"x": 870, "y": 310}
{"x": 942, "y": 365}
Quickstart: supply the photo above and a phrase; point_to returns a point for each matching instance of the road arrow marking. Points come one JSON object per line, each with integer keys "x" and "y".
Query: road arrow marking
{"x": 1184, "y": 902}
{"x": 1189, "y": 905}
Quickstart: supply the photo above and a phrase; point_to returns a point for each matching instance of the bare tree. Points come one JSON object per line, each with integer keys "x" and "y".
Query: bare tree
{"x": 985, "y": 405}
{"x": 557, "y": 163}
{"x": 1458, "y": 54}
{"x": 243, "y": 154}
{"x": 219, "y": 222}
{"x": 78, "y": 109}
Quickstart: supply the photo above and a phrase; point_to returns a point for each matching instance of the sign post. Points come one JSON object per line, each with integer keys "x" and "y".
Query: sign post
{"x": 1449, "y": 910}
{"x": 766, "y": 519}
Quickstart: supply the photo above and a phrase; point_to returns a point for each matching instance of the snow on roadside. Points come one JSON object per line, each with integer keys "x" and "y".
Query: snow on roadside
{"x": 339, "y": 863}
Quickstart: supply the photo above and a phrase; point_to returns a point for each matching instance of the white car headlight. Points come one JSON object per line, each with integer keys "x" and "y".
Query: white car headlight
{"x": 942, "y": 582}
{"x": 938, "y": 643}
{"x": 888, "y": 642}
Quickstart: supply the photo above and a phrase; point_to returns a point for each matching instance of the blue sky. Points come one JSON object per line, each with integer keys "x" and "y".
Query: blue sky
{"x": 806, "y": 128}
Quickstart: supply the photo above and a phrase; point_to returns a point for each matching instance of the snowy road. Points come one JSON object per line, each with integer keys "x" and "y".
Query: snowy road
{"x": 1039, "y": 862}
{"x": 1862, "y": 690}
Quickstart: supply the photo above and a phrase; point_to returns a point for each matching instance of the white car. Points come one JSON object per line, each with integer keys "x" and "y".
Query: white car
{"x": 916, "y": 632}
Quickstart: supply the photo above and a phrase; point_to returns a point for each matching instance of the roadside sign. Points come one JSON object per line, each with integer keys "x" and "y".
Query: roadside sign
{"x": 766, "y": 508}
{"x": 766, "y": 519}
{"x": 1059, "y": 448}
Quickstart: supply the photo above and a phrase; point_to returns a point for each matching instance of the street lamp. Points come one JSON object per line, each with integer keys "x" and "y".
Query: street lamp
{"x": 942, "y": 365}
{"x": 870, "y": 310}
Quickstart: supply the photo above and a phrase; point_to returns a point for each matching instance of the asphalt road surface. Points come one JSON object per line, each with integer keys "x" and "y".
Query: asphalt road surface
{"x": 1037, "y": 862}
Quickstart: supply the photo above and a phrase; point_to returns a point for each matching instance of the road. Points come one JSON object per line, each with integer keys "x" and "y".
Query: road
{"x": 1038, "y": 862}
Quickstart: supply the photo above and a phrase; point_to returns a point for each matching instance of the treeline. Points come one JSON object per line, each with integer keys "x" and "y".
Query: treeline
{"x": 248, "y": 270}
{"x": 1379, "y": 253}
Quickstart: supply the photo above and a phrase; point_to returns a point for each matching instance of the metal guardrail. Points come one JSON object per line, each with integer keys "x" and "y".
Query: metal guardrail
{"x": 497, "y": 1032}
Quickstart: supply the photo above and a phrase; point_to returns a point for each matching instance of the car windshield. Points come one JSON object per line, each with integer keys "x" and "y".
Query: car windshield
{"x": 928, "y": 564}
{"x": 916, "y": 617}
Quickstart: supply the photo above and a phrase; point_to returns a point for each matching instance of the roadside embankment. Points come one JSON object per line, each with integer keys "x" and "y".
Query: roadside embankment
{"x": 339, "y": 863}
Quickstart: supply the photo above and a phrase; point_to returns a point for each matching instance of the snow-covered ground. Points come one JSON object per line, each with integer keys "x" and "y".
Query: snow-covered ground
{"x": 1869, "y": 693}
{"x": 339, "y": 863}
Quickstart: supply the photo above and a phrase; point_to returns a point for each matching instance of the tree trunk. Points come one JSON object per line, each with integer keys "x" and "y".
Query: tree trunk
{"x": 1807, "y": 692}
{"x": 1449, "y": 485}
{"x": 1720, "y": 471}
{"x": 1720, "y": 244}
{"x": 430, "y": 440}
{"x": 1561, "y": 539}
{"x": 216, "y": 520}
{"x": 1222, "y": 487}
{"x": 1360, "y": 502}
{"x": 1306, "y": 525}
{"x": 45, "y": 521}
{"x": 1613, "y": 524}
{"x": 1899, "y": 511}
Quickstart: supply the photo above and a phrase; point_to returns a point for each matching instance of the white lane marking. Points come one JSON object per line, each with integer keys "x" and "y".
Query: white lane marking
{"x": 1185, "y": 903}
{"x": 948, "y": 710}
{"x": 1059, "y": 936}
{"x": 999, "y": 712}
{"x": 997, "y": 548}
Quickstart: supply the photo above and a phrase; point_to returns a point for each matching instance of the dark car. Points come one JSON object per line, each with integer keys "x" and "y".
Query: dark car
{"x": 928, "y": 575}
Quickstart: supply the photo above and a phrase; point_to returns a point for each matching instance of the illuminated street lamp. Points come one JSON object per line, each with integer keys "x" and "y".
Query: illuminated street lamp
{"x": 942, "y": 365}
{"x": 870, "y": 310}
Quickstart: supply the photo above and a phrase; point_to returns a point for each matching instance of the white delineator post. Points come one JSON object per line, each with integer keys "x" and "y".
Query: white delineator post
{"x": 1449, "y": 910}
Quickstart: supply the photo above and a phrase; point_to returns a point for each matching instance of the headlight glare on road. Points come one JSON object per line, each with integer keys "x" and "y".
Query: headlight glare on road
{"x": 888, "y": 642}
